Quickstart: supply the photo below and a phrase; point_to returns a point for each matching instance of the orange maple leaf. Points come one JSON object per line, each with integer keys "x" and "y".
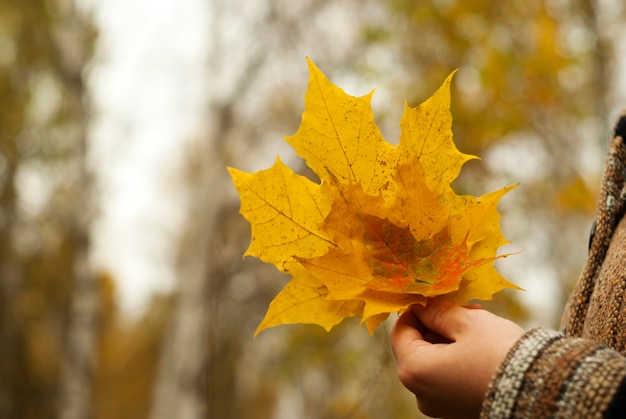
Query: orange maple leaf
{"x": 383, "y": 229}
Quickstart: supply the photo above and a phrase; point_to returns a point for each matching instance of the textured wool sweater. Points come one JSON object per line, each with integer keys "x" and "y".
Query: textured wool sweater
{"x": 579, "y": 372}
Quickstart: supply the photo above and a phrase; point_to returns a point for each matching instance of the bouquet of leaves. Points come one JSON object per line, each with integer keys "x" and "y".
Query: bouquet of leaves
{"x": 383, "y": 229}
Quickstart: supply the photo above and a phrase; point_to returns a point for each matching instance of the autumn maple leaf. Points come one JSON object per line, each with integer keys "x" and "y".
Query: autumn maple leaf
{"x": 383, "y": 229}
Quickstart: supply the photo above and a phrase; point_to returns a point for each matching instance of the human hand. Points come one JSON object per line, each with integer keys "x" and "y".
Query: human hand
{"x": 447, "y": 355}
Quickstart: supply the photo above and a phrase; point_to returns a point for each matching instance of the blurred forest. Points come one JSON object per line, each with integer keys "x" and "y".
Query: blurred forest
{"x": 537, "y": 89}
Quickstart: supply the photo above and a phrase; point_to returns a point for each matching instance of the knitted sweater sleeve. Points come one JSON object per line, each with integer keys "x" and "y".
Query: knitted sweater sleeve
{"x": 550, "y": 375}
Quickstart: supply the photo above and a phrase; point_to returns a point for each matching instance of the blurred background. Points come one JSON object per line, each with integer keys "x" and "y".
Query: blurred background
{"x": 123, "y": 293}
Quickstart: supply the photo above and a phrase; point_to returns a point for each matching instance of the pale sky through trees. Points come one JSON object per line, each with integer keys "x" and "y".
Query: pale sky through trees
{"x": 147, "y": 83}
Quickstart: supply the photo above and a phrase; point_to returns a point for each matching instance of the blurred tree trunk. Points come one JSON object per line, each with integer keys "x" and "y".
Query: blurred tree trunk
{"x": 73, "y": 35}
{"x": 45, "y": 48}
{"x": 15, "y": 100}
{"x": 180, "y": 390}
{"x": 9, "y": 269}
{"x": 38, "y": 50}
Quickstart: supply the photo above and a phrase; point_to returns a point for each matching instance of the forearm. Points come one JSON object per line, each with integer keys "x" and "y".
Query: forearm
{"x": 547, "y": 374}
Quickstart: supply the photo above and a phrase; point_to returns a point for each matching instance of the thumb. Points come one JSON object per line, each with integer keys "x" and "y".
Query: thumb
{"x": 444, "y": 318}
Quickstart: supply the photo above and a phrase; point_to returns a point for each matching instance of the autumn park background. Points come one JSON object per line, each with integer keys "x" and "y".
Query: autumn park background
{"x": 123, "y": 293}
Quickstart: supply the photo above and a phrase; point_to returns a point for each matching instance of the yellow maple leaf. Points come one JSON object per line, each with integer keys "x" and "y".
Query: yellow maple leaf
{"x": 383, "y": 229}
